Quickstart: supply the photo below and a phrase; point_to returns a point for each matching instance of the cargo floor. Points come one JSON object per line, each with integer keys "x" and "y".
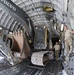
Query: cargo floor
{"x": 52, "y": 68}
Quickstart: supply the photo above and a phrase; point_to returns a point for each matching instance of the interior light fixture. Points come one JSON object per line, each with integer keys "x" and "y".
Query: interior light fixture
{"x": 62, "y": 27}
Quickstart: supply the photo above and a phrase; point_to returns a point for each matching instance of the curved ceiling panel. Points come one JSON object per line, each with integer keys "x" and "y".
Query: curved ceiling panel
{"x": 34, "y": 8}
{"x": 72, "y": 23}
{"x": 70, "y": 15}
{"x": 61, "y": 8}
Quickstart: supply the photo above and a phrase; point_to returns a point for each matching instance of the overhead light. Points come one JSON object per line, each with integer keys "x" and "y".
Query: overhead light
{"x": 48, "y": 9}
{"x": 55, "y": 27}
{"x": 0, "y": 28}
{"x": 10, "y": 32}
{"x": 51, "y": 20}
{"x": 59, "y": 40}
{"x": 44, "y": 26}
{"x": 36, "y": 28}
{"x": 62, "y": 27}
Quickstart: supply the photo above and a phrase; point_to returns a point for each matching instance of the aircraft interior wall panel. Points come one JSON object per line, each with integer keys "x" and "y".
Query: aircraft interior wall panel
{"x": 39, "y": 4}
{"x": 72, "y": 8}
{"x": 28, "y": 8}
{"x": 70, "y": 5}
{"x": 18, "y": 2}
{"x": 65, "y": 19}
{"x": 34, "y": 17}
{"x": 58, "y": 5}
{"x": 72, "y": 23}
{"x": 73, "y": 11}
{"x": 22, "y": 5}
{"x": 39, "y": 9}
{"x": 65, "y": 5}
{"x": 36, "y": 2}
{"x": 14, "y": 1}
{"x": 40, "y": 19}
{"x": 44, "y": 22}
{"x": 70, "y": 14}
{"x": 30, "y": 5}
{"x": 61, "y": 8}
{"x": 37, "y": 13}
{"x": 57, "y": 1}
{"x": 59, "y": 16}
{"x": 58, "y": 11}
